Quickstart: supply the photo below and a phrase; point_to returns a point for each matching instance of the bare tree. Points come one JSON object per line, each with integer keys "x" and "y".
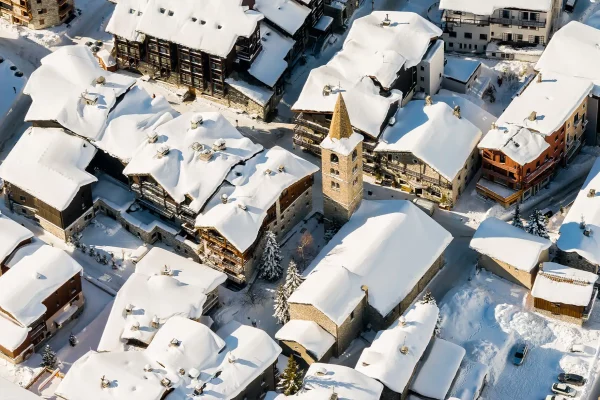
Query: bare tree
{"x": 305, "y": 248}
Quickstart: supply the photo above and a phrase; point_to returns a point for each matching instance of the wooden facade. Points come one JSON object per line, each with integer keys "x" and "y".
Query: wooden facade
{"x": 129, "y": 53}
{"x": 35, "y": 208}
{"x": 68, "y": 293}
{"x": 559, "y": 308}
{"x": 526, "y": 179}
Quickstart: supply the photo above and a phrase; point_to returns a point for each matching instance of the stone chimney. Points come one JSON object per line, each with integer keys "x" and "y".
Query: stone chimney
{"x": 532, "y": 116}
{"x": 428, "y": 101}
{"x": 539, "y": 77}
{"x": 457, "y": 112}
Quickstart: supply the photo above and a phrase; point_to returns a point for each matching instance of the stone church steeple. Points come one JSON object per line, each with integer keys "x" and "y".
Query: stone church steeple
{"x": 341, "y": 162}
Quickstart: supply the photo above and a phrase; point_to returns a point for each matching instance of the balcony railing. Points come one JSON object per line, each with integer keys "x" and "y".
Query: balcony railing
{"x": 518, "y": 22}
{"x": 458, "y": 21}
{"x": 309, "y": 124}
{"x": 398, "y": 169}
{"x": 545, "y": 167}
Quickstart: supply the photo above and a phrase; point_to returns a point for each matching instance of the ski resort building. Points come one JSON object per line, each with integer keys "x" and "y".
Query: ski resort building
{"x": 573, "y": 51}
{"x": 235, "y": 52}
{"x": 185, "y": 359}
{"x": 564, "y": 293}
{"x": 510, "y": 252}
{"x": 164, "y": 285}
{"x": 541, "y": 129}
{"x": 376, "y": 73}
{"x": 40, "y": 292}
{"x": 470, "y": 25}
{"x": 39, "y": 15}
{"x": 576, "y": 243}
{"x": 13, "y": 236}
{"x": 430, "y": 150}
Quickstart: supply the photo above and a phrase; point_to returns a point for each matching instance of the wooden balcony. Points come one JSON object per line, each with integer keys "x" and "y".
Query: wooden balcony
{"x": 500, "y": 165}
{"x": 397, "y": 169}
{"x": 539, "y": 172}
{"x": 299, "y": 120}
{"x": 460, "y": 20}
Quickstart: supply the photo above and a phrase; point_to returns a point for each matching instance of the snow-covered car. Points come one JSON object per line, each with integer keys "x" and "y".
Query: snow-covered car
{"x": 572, "y": 379}
{"x": 564, "y": 389}
{"x": 555, "y": 397}
{"x": 577, "y": 348}
{"x": 521, "y": 351}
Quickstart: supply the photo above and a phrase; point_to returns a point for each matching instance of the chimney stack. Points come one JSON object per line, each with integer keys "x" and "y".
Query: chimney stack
{"x": 532, "y": 116}
{"x": 539, "y": 78}
{"x": 457, "y": 112}
{"x": 428, "y": 101}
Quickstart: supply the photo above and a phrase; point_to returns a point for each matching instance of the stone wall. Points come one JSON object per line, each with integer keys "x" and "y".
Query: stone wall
{"x": 45, "y": 13}
{"x": 510, "y": 273}
{"x": 303, "y": 356}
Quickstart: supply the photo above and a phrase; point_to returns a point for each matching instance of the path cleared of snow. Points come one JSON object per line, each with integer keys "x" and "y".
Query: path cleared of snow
{"x": 488, "y": 316}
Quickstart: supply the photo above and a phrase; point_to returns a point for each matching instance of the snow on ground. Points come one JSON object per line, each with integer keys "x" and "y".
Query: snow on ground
{"x": 488, "y": 316}
{"x": 254, "y": 304}
{"x": 10, "y": 85}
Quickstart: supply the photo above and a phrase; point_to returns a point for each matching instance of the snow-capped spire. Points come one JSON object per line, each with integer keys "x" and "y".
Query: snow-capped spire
{"x": 340, "y": 122}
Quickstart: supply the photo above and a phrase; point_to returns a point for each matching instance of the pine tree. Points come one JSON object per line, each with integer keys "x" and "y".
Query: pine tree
{"x": 537, "y": 225}
{"x": 517, "y": 221}
{"x": 281, "y": 306}
{"x": 48, "y": 357}
{"x": 428, "y": 298}
{"x": 293, "y": 279}
{"x": 291, "y": 380}
{"x": 270, "y": 263}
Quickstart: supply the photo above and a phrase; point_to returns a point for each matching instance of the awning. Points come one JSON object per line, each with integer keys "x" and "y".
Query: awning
{"x": 67, "y": 313}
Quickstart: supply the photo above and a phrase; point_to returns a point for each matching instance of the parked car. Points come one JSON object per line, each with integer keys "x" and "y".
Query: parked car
{"x": 564, "y": 389}
{"x": 572, "y": 379}
{"x": 555, "y": 397}
{"x": 521, "y": 351}
{"x": 577, "y": 348}
{"x": 546, "y": 212}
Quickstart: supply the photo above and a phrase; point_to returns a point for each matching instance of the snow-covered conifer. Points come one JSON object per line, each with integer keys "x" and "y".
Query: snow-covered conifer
{"x": 536, "y": 224}
{"x": 293, "y": 279}
{"x": 517, "y": 221}
{"x": 291, "y": 380}
{"x": 281, "y": 307}
{"x": 48, "y": 357}
{"x": 270, "y": 262}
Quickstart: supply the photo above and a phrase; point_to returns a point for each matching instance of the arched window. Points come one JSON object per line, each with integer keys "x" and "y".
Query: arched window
{"x": 332, "y": 171}
{"x": 334, "y": 158}
{"x": 354, "y": 154}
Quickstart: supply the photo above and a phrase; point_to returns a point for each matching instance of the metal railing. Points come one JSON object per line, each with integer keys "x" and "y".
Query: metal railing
{"x": 519, "y": 22}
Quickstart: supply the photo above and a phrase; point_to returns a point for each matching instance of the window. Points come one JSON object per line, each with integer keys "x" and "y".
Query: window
{"x": 460, "y": 45}
{"x": 422, "y": 79}
{"x": 505, "y": 14}
{"x": 468, "y": 35}
{"x": 352, "y": 315}
{"x": 422, "y": 68}
{"x": 42, "y": 11}
{"x": 533, "y": 16}
{"x": 525, "y": 15}
{"x": 354, "y": 154}
{"x": 334, "y": 158}
{"x": 483, "y": 36}
{"x": 452, "y": 34}
{"x": 22, "y": 198}
{"x": 355, "y": 181}
{"x": 354, "y": 169}
{"x": 502, "y": 158}
{"x": 450, "y": 44}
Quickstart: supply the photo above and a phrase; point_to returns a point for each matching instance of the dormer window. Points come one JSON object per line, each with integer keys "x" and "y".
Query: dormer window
{"x": 202, "y": 22}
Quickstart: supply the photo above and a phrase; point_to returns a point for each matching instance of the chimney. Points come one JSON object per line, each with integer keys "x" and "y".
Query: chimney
{"x": 539, "y": 77}
{"x": 532, "y": 116}
{"x": 231, "y": 358}
{"x": 224, "y": 198}
{"x": 135, "y": 326}
{"x": 174, "y": 343}
{"x": 152, "y": 137}
{"x": 101, "y": 80}
{"x": 404, "y": 349}
{"x": 592, "y": 193}
{"x": 167, "y": 271}
{"x": 457, "y": 111}
{"x": 148, "y": 368}
{"x": 281, "y": 168}
{"x": 494, "y": 126}
{"x": 196, "y": 121}
{"x": 155, "y": 324}
{"x": 129, "y": 309}
{"x": 428, "y": 101}
{"x": 386, "y": 21}
{"x": 104, "y": 382}
{"x": 181, "y": 371}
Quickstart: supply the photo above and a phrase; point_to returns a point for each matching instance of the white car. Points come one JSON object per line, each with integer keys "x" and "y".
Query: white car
{"x": 566, "y": 390}
{"x": 555, "y": 397}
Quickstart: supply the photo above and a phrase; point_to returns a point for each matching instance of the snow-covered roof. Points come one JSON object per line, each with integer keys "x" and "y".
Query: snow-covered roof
{"x": 64, "y": 89}
{"x": 438, "y": 370}
{"x": 487, "y": 7}
{"x": 25, "y": 286}
{"x": 587, "y": 208}
{"x": 519, "y": 144}
{"x": 270, "y": 63}
{"x": 12, "y": 391}
{"x": 11, "y": 235}
{"x": 371, "y": 49}
{"x": 131, "y": 121}
{"x": 343, "y": 146}
{"x": 154, "y": 292}
{"x": 212, "y": 26}
{"x": 554, "y": 100}
{"x": 365, "y": 253}
{"x": 308, "y": 334}
{"x": 238, "y": 353}
{"x": 560, "y": 284}
{"x": 182, "y": 172}
{"x": 257, "y": 93}
{"x": 185, "y": 270}
{"x": 434, "y": 135}
{"x": 49, "y": 164}
{"x": 468, "y": 109}
{"x": 323, "y": 23}
{"x": 384, "y": 359}
{"x": 12, "y": 335}
{"x": 348, "y": 383}
{"x": 259, "y": 184}
{"x": 504, "y": 242}
{"x": 125, "y": 19}
{"x": 313, "y": 394}
{"x": 460, "y": 69}
{"x": 286, "y": 14}
{"x": 574, "y": 51}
